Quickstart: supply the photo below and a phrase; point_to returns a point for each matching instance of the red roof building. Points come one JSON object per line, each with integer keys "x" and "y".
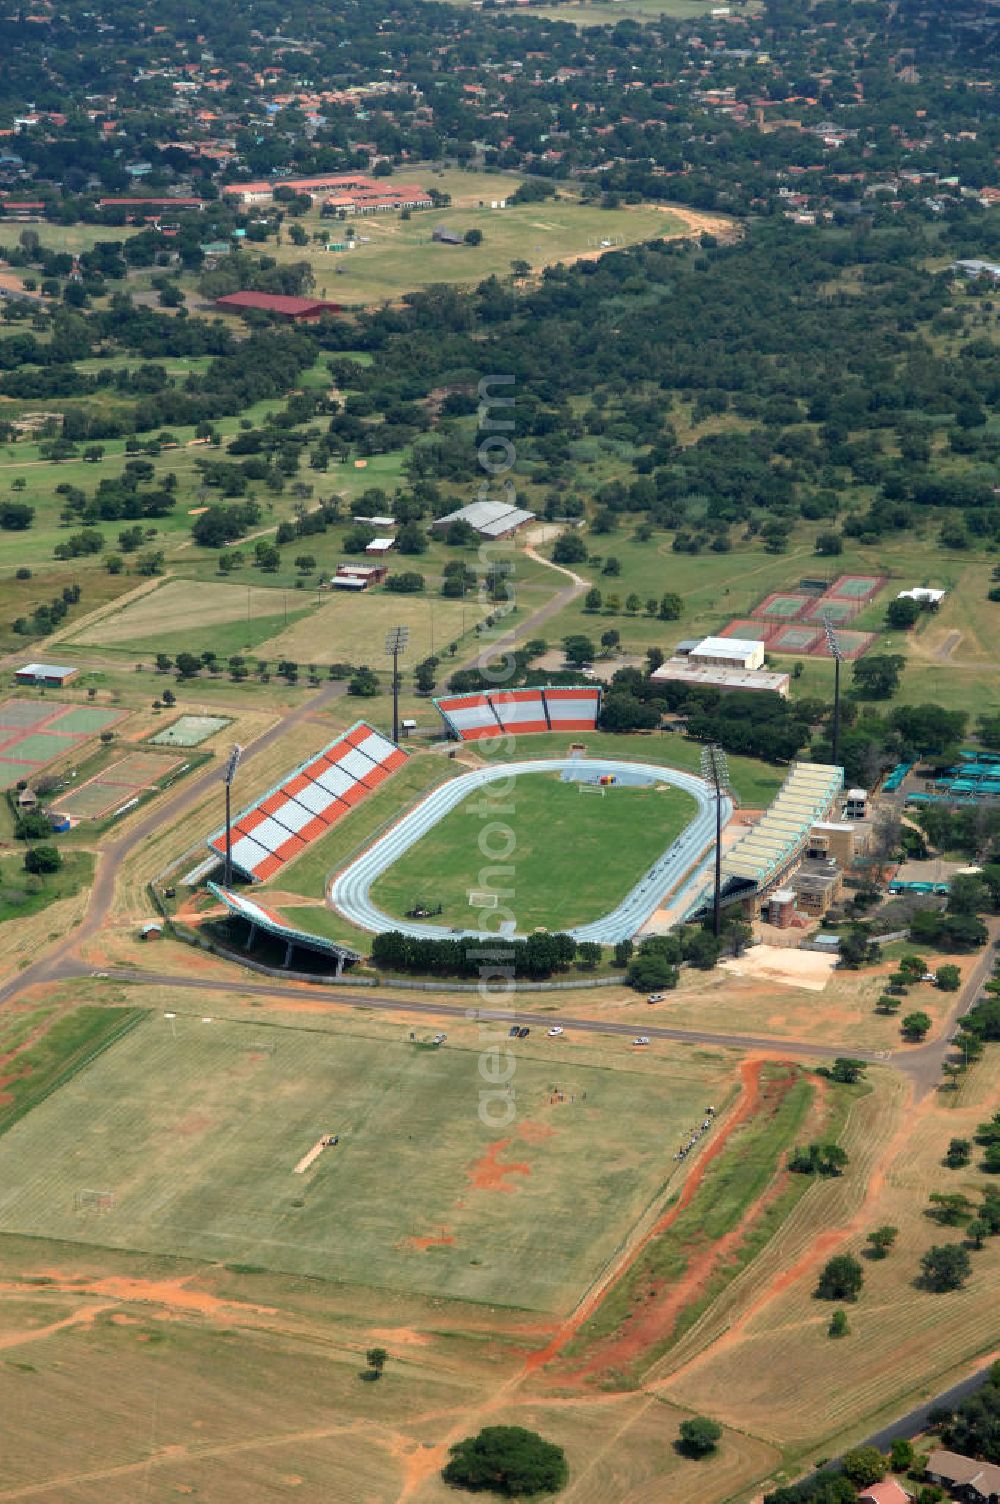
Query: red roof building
{"x": 295, "y": 310}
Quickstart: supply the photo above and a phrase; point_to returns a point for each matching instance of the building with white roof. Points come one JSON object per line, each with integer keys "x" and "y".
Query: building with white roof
{"x": 728, "y": 652}
{"x": 490, "y": 519}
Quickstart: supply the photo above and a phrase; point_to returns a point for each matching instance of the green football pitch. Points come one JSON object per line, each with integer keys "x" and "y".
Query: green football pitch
{"x": 183, "y": 1139}
{"x": 574, "y": 855}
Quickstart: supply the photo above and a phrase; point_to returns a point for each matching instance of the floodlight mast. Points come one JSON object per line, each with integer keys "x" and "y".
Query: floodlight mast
{"x": 833, "y": 645}
{"x": 395, "y": 643}
{"x": 715, "y": 770}
{"x": 228, "y": 776}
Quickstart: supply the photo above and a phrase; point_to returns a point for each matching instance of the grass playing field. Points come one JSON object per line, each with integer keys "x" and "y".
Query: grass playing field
{"x": 575, "y": 855}
{"x": 393, "y": 256}
{"x": 196, "y": 1129}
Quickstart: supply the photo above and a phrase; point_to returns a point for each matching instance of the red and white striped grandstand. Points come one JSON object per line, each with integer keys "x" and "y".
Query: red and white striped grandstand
{"x": 499, "y": 712}
{"x": 277, "y": 827}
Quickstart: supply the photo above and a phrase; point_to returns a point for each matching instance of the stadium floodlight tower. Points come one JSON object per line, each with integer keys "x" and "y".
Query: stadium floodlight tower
{"x": 229, "y": 775}
{"x": 833, "y": 644}
{"x": 395, "y": 643}
{"x": 715, "y": 770}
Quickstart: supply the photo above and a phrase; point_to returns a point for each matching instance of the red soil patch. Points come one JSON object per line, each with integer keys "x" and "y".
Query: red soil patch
{"x": 659, "y": 1304}
{"x": 750, "y": 1072}
{"x": 487, "y": 1175}
{"x": 442, "y": 1241}
{"x": 534, "y": 1133}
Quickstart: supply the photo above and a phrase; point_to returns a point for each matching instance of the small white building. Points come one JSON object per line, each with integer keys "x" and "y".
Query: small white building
{"x": 728, "y": 652}
{"x": 923, "y": 595}
{"x": 380, "y": 545}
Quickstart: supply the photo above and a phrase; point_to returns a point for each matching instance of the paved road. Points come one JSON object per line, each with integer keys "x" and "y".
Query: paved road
{"x": 915, "y": 1421}
{"x": 375, "y": 998}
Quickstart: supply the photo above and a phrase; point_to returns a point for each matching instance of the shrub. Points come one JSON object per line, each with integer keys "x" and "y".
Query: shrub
{"x": 507, "y": 1460}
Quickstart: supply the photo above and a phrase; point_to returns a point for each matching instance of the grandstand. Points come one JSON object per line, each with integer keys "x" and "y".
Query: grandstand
{"x": 497, "y": 712}
{"x": 271, "y": 832}
{"x": 762, "y": 858}
{"x": 259, "y": 918}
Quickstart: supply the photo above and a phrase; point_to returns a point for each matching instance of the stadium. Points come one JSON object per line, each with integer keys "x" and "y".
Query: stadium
{"x": 636, "y": 859}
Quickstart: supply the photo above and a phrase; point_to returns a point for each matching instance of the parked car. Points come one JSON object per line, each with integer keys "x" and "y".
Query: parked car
{"x": 555, "y": 1030}
{"x": 523, "y": 1032}
{"x": 655, "y": 997}
{"x": 641, "y": 1039}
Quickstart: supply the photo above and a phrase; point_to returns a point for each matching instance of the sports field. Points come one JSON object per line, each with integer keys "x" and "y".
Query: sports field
{"x": 393, "y": 256}
{"x": 115, "y": 785}
{"x": 574, "y": 855}
{"x": 193, "y": 1129}
{"x": 182, "y": 612}
{"x": 189, "y": 730}
{"x": 35, "y": 733}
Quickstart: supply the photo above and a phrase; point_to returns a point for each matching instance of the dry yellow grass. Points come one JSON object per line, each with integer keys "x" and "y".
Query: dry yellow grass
{"x": 175, "y": 606}
{"x": 762, "y": 1358}
{"x": 352, "y": 628}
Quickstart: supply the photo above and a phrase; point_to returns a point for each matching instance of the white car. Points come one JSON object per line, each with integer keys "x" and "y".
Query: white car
{"x": 641, "y": 1039}
{"x": 929, "y": 976}
{"x": 655, "y": 997}
{"x": 555, "y": 1031}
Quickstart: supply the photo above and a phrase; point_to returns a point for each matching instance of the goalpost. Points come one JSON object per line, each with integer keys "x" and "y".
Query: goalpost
{"x": 593, "y": 788}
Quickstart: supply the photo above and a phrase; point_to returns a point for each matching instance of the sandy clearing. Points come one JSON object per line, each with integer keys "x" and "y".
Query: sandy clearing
{"x": 789, "y": 968}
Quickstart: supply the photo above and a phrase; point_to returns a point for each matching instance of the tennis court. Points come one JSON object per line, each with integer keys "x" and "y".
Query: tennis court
{"x": 857, "y": 587}
{"x": 852, "y": 644}
{"x": 84, "y": 720}
{"x": 836, "y": 610}
{"x": 782, "y": 607}
{"x": 190, "y": 730}
{"x": 34, "y": 733}
{"x": 123, "y": 780}
{"x": 750, "y": 630}
{"x": 794, "y": 640}
{"x": 28, "y": 712}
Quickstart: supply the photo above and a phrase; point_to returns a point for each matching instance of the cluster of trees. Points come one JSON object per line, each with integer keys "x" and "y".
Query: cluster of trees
{"x": 46, "y": 617}
{"x": 538, "y": 956}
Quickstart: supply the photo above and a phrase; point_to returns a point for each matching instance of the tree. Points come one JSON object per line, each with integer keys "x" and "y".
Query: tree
{"x": 579, "y": 649}
{"x": 376, "y": 1357}
{"x": 944, "y": 1267}
{"x": 364, "y": 682}
{"x": 408, "y": 582}
{"x": 901, "y": 1454}
{"x": 915, "y": 1025}
{"x": 507, "y": 1460}
{"x": 881, "y": 1241}
{"x": 589, "y": 954}
{"x": 829, "y": 544}
{"x": 876, "y": 676}
{"x": 411, "y": 539}
{"x": 838, "y": 1325}
{"x": 423, "y": 676}
{"x": 846, "y": 1070}
{"x": 305, "y": 563}
{"x": 671, "y": 606}
{"x": 949, "y": 978}
{"x": 593, "y": 599}
{"x": 976, "y": 1231}
{"x": 864, "y": 1466}
{"x": 841, "y": 1278}
{"x": 188, "y": 665}
{"x": 902, "y": 613}
{"x": 959, "y": 1154}
{"x": 473, "y": 237}
{"x": 699, "y": 1437}
{"x": 168, "y": 697}
{"x": 651, "y": 972}
{"x": 41, "y": 859}
{"x": 569, "y": 548}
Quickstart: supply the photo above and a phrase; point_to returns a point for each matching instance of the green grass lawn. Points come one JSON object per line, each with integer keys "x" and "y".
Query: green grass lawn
{"x": 575, "y": 856}
{"x": 196, "y": 1131}
{"x": 394, "y": 256}
{"x": 23, "y": 893}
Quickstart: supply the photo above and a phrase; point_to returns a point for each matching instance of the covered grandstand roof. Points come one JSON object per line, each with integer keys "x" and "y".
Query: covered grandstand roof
{"x": 275, "y": 924}
{"x": 277, "y": 827}
{"x": 766, "y": 851}
{"x": 491, "y": 519}
{"x": 496, "y": 711}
